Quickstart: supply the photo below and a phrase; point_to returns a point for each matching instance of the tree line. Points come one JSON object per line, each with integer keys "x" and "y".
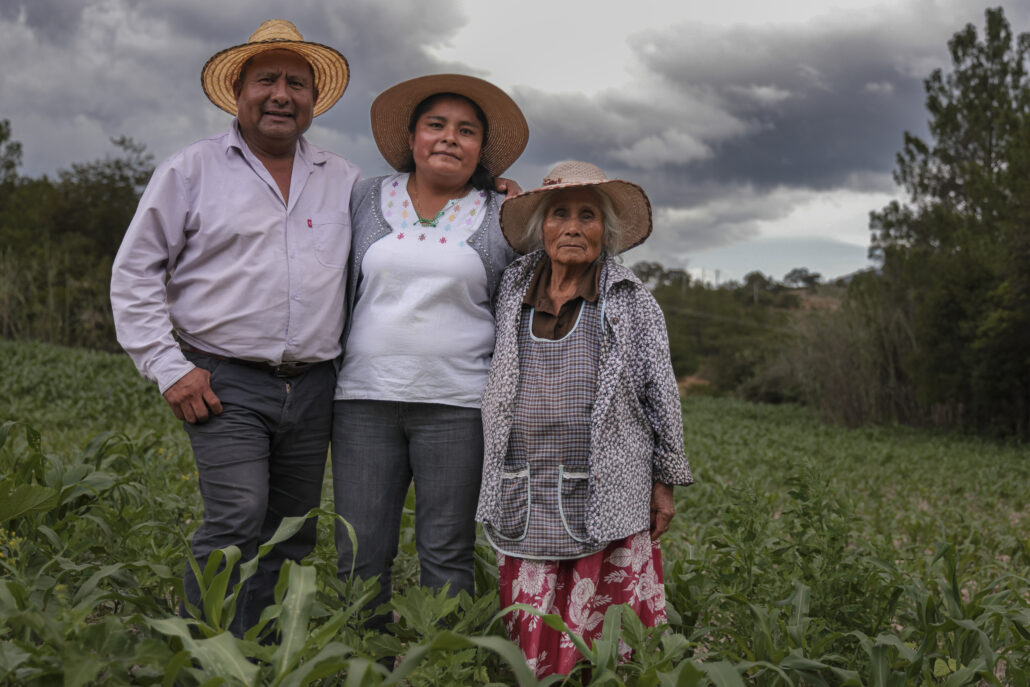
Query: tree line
{"x": 943, "y": 331}
{"x": 58, "y": 237}
{"x": 939, "y": 334}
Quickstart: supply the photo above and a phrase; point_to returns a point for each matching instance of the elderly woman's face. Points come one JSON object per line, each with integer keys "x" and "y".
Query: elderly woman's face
{"x": 573, "y": 227}
{"x": 447, "y": 140}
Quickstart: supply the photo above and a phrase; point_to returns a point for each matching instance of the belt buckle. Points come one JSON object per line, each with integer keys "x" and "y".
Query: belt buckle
{"x": 290, "y": 369}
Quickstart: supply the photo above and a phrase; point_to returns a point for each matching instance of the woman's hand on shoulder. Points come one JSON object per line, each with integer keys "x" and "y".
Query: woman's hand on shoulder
{"x": 509, "y": 187}
{"x": 662, "y": 509}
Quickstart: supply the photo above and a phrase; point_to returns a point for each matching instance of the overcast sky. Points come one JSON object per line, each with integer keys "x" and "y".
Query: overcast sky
{"x": 763, "y": 132}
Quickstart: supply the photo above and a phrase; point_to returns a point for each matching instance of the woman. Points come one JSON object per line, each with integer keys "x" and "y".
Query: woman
{"x": 581, "y": 416}
{"x": 426, "y": 258}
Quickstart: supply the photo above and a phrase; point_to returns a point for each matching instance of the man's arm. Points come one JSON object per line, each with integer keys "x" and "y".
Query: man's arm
{"x": 154, "y": 239}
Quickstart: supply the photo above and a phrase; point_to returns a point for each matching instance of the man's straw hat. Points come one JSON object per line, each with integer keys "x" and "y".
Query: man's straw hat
{"x": 329, "y": 66}
{"x": 507, "y": 131}
{"x": 632, "y": 206}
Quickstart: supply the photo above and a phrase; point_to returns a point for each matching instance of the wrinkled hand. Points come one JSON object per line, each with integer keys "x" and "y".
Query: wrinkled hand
{"x": 509, "y": 187}
{"x": 662, "y": 509}
{"x": 192, "y": 397}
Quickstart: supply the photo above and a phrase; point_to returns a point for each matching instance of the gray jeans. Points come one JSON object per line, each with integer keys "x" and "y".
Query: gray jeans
{"x": 378, "y": 448}
{"x": 261, "y": 460}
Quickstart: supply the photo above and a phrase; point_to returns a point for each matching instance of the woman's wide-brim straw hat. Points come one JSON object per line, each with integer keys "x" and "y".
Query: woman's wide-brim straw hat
{"x": 222, "y": 70}
{"x": 631, "y": 204}
{"x": 507, "y": 131}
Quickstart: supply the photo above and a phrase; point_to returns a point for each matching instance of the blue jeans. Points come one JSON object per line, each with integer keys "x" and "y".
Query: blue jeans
{"x": 261, "y": 460}
{"x": 378, "y": 448}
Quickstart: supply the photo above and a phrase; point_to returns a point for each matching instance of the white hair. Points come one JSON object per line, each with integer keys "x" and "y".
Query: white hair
{"x": 611, "y": 239}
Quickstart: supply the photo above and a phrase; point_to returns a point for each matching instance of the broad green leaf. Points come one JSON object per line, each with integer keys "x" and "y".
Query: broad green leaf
{"x": 879, "y": 667}
{"x": 293, "y": 621}
{"x": 449, "y": 641}
{"x": 965, "y": 675}
{"x": 218, "y": 610}
{"x": 686, "y": 674}
{"x": 89, "y": 585}
{"x": 19, "y": 500}
{"x": 221, "y": 655}
{"x": 795, "y": 661}
{"x": 329, "y": 661}
{"x": 905, "y": 651}
{"x": 11, "y": 656}
{"x": 722, "y": 674}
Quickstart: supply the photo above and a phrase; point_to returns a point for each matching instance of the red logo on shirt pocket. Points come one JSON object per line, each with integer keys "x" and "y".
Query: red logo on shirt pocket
{"x": 309, "y": 223}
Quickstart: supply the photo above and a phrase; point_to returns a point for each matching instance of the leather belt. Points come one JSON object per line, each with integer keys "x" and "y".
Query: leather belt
{"x": 286, "y": 369}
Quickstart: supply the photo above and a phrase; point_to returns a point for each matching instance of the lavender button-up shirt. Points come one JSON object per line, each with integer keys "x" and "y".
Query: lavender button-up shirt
{"x": 215, "y": 254}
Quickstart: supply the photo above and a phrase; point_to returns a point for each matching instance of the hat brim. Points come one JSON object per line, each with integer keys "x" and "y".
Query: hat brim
{"x": 632, "y": 207}
{"x": 330, "y": 69}
{"x": 391, "y": 113}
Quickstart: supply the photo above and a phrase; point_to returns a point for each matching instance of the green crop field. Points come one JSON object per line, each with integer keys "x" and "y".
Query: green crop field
{"x": 805, "y": 555}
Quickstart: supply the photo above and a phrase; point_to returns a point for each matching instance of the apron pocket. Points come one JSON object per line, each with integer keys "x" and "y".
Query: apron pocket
{"x": 572, "y": 502}
{"x": 513, "y": 520}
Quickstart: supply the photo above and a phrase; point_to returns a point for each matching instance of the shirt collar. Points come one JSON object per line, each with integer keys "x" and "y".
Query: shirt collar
{"x": 586, "y": 287}
{"x": 305, "y": 153}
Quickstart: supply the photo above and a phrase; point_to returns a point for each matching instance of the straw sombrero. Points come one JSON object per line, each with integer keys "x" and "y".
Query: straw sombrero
{"x": 632, "y": 205}
{"x": 507, "y": 133}
{"x": 222, "y": 70}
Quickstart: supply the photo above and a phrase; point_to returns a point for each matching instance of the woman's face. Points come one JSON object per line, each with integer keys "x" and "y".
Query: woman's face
{"x": 573, "y": 227}
{"x": 447, "y": 141}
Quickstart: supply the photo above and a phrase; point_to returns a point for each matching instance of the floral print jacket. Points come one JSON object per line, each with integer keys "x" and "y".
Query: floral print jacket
{"x": 636, "y": 422}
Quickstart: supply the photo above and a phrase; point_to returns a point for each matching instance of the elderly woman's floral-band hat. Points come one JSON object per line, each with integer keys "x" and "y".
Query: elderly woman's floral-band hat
{"x": 507, "y": 131}
{"x": 222, "y": 70}
{"x": 632, "y": 206}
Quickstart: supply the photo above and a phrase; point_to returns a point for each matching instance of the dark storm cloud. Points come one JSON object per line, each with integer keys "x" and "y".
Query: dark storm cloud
{"x": 727, "y": 128}
{"x": 53, "y": 19}
{"x": 125, "y": 67}
{"x": 827, "y": 105}
{"x": 816, "y": 108}
{"x": 723, "y": 119}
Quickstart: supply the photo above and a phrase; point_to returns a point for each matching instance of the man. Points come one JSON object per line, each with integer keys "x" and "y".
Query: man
{"x": 228, "y": 292}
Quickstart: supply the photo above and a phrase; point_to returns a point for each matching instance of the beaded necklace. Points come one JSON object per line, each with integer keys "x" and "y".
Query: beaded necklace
{"x": 427, "y": 221}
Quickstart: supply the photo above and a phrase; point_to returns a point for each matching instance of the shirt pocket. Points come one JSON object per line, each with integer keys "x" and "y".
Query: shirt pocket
{"x": 573, "y": 489}
{"x": 512, "y": 521}
{"x": 331, "y": 240}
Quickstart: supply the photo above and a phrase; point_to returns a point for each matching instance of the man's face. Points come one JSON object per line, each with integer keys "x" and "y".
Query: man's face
{"x": 275, "y": 101}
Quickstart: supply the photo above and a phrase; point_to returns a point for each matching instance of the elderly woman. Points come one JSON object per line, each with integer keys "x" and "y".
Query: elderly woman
{"x": 581, "y": 416}
{"x": 426, "y": 258}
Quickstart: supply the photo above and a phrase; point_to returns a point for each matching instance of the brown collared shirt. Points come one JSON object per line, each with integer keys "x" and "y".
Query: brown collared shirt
{"x": 554, "y": 323}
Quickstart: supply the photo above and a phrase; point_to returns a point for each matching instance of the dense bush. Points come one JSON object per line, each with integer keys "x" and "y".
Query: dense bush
{"x": 58, "y": 239}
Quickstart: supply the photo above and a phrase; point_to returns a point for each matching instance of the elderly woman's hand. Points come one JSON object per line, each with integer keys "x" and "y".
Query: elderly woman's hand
{"x": 662, "y": 509}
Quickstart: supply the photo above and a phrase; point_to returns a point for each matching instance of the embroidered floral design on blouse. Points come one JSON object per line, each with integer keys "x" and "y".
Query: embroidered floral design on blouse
{"x": 459, "y": 216}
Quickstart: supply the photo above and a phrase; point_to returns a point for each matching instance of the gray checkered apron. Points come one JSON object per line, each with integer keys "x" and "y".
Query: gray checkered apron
{"x": 545, "y": 480}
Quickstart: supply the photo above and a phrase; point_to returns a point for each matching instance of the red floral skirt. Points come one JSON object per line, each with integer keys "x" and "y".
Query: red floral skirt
{"x": 580, "y": 591}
